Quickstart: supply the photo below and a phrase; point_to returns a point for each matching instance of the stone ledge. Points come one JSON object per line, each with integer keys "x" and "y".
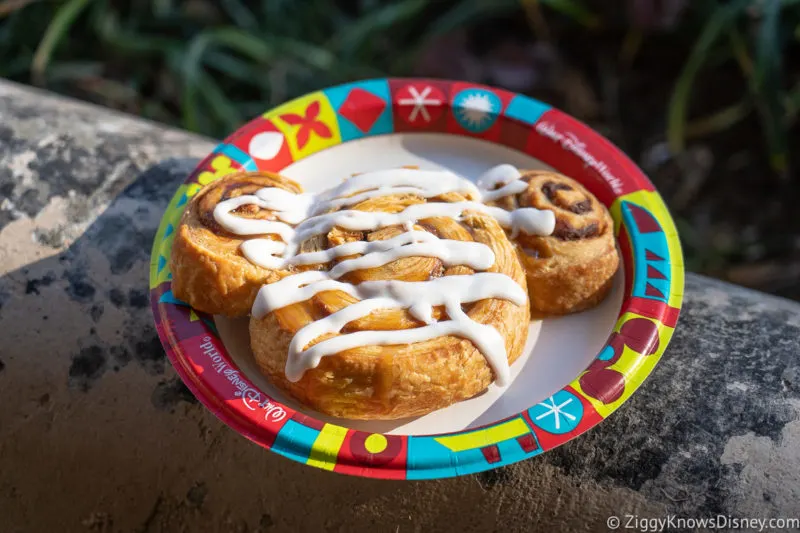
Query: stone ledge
{"x": 98, "y": 434}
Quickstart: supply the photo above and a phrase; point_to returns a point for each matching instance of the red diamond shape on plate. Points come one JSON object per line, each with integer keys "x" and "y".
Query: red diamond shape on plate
{"x": 362, "y": 108}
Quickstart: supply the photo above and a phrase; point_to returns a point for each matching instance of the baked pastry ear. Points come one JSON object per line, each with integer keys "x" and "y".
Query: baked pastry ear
{"x": 209, "y": 270}
{"x": 370, "y": 380}
{"x": 572, "y": 269}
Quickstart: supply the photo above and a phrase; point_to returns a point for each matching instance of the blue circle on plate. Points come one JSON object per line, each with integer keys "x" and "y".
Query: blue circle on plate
{"x": 607, "y": 354}
{"x": 476, "y": 109}
{"x": 560, "y": 413}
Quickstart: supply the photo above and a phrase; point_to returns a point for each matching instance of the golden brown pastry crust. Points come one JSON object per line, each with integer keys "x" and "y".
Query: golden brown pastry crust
{"x": 573, "y": 269}
{"x": 208, "y": 270}
{"x": 390, "y": 382}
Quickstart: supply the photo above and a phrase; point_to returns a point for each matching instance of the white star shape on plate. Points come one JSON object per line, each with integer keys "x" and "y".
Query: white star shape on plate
{"x": 556, "y": 411}
{"x": 419, "y": 100}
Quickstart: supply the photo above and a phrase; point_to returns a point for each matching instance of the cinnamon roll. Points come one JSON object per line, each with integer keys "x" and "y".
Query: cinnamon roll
{"x": 209, "y": 268}
{"x": 405, "y": 296}
{"x": 572, "y": 269}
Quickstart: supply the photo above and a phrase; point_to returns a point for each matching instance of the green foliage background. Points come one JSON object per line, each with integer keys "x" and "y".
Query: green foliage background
{"x": 207, "y": 66}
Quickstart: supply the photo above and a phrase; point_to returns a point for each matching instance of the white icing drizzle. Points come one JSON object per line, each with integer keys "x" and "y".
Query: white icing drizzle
{"x": 424, "y": 183}
{"x": 311, "y": 216}
{"x": 249, "y": 226}
{"x": 264, "y": 253}
{"x": 499, "y": 182}
{"x": 296, "y": 208}
{"x": 374, "y": 254}
{"x": 418, "y": 297}
{"x": 529, "y": 220}
{"x": 498, "y": 175}
{"x": 413, "y": 243}
{"x": 514, "y": 187}
{"x": 289, "y": 207}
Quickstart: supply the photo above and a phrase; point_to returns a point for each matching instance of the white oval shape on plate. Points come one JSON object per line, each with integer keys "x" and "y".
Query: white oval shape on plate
{"x": 265, "y": 145}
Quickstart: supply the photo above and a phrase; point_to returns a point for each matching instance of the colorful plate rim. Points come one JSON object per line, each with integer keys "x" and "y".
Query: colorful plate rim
{"x": 648, "y": 242}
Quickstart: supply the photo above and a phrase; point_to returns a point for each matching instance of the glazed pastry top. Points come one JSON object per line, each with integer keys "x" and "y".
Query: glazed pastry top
{"x": 299, "y": 218}
{"x": 579, "y": 216}
{"x": 251, "y": 211}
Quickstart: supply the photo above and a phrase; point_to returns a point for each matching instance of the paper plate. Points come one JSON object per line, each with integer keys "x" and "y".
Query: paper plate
{"x": 575, "y": 371}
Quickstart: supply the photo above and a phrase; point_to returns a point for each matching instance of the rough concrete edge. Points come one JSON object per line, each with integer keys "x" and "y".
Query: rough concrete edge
{"x": 50, "y": 99}
{"x": 746, "y": 292}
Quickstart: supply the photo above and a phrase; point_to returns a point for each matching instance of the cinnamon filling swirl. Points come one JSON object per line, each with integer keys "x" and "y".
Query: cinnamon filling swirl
{"x": 234, "y": 187}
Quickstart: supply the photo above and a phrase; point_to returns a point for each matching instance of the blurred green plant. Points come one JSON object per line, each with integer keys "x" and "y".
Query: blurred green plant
{"x": 204, "y": 65}
{"x": 755, "y": 34}
{"x": 208, "y": 66}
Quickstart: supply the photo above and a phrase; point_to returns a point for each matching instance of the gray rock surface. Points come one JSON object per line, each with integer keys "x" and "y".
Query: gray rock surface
{"x": 98, "y": 434}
